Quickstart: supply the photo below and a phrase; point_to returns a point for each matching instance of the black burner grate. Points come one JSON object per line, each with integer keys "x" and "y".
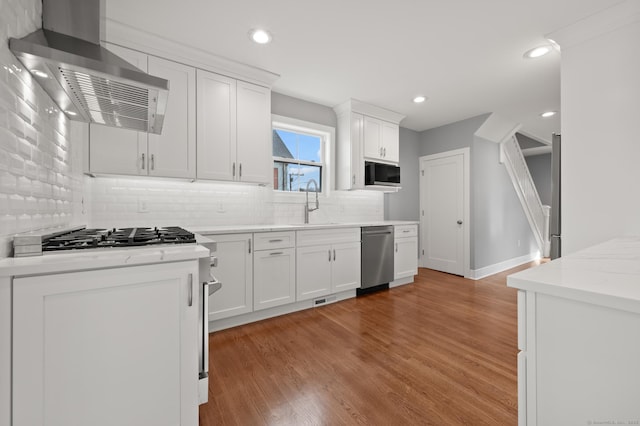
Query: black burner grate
{"x": 122, "y": 237}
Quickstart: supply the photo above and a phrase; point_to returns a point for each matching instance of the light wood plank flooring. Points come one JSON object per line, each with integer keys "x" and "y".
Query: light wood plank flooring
{"x": 441, "y": 351}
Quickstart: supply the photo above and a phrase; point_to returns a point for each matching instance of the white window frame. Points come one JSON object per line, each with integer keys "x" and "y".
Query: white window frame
{"x": 327, "y": 135}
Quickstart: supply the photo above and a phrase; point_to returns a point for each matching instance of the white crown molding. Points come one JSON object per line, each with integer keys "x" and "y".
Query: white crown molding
{"x": 133, "y": 38}
{"x": 354, "y": 105}
{"x": 613, "y": 18}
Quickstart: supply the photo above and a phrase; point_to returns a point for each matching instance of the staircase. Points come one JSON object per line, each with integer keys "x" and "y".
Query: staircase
{"x": 537, "y": 214}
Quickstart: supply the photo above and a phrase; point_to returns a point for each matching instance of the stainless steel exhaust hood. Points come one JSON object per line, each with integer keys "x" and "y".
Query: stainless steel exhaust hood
{"x": 88, "y": 82}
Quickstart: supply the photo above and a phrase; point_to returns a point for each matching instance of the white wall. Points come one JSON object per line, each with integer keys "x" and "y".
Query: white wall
{"x": 600, "y": 145}
{"x": 40, "y": 172}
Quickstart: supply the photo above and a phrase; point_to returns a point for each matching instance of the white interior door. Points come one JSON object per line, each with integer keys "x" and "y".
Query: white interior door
{"x": 444, "y": 216}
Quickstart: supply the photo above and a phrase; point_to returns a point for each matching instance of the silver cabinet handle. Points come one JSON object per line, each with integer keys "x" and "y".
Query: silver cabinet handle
{"x": 334, "y": 255}
{"x": 329, "y": 255}
{"x": 406, "y": 230}
{"x": 380, "y": 151}
{"x": 142, "y": 161}
{"x": 275, "y": 241}
{"x": 153, "y": 162}
{"x": 249, "y": 245}
{"x": 240, "y": 171}
{"x": 396, "y": 247}
{"x": 354, "y": 179}
{"x": 385, "y": 151}
{"x": 276, "y": 253}
{"x": 233, "y": 170}
{"x": 190, "y": 284}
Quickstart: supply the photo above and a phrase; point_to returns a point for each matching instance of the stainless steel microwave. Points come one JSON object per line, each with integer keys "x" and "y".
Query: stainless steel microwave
{"x": 381, "y": 174}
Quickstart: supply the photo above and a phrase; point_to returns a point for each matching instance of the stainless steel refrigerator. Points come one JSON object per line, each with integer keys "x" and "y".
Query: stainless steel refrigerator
{"x": 555, "y": 229}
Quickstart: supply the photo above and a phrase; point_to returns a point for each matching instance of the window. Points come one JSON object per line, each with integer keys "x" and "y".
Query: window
{"x": 299, "y": 155}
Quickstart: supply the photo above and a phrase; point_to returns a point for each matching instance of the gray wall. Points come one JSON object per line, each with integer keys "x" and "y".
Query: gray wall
{"x": 527, "y": 142}
{"x": 302, "y": 110}
{"x": 498, "y": 222}
{"x": 540, "y": 169}
{"x": 500, "y": 230}
{"x": 405, "y": 204}
{"x": 451, "y": 136}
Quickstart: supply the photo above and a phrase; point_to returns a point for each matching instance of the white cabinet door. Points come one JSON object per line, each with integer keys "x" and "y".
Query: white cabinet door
{"x": 274, "y": 281}
{"x": 372, "y": 138}
{"x": 345, "y": 266}
{"x": 235, "y": 271}
{"x": 405, "y": 259}
{"x": 390, "y": 142}
{"x": 115, "y": 150}
{"x": 216, "y": 127}
{"x": 254, "y": 147}
{"x": 107, "y": 347}
{"x": 173, "y": 153}
{"x": 313, "y": 271}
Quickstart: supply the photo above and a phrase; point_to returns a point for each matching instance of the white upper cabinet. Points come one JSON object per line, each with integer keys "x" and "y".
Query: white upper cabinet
{"x": 216, "y": 126}
{"x": 234, "y": 129}
{"x": 381, "y": 140}
{"x": 170, "y": 154}
{"x": 365, "y": 133}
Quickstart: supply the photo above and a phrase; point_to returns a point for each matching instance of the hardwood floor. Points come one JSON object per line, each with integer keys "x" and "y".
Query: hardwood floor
{"x": 441, "y": 351}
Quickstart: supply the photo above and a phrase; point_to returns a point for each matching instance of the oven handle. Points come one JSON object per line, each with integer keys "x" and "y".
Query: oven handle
{"x": 209, "y": 287}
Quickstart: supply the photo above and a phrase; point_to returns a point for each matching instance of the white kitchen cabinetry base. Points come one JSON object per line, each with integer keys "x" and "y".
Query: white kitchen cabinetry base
{"x": 248, "y": 318}
{"x": 106, "y": 348}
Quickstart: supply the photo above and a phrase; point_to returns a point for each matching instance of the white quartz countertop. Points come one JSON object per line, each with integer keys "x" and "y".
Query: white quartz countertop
{"x": 98, "y": 259}
{"x": 235, "y": 229}
{"x": 607, "y": 274}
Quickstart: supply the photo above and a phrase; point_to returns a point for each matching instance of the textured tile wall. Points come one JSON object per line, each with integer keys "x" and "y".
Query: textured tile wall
{"x": 118, "y": 202}
{"x": 40, "y": 173}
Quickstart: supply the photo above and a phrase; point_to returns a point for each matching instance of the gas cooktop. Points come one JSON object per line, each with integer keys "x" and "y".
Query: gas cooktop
{"x": 94, "y": 238}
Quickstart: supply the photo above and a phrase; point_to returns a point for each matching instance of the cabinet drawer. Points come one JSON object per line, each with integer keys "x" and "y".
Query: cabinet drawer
{"x": 314, "y": 237}
{"x": 274, "y": 240}
{"x": 402, "y": 231}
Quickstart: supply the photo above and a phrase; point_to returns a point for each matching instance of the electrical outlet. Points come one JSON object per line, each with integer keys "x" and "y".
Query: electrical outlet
{"x": 143, "y": 205}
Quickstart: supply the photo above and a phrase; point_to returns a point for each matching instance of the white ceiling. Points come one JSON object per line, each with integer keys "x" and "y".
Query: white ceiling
{"x": 464, "y": 55}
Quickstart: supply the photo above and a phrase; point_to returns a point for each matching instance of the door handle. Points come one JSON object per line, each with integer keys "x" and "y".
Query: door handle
{"x": 459, "y": 222}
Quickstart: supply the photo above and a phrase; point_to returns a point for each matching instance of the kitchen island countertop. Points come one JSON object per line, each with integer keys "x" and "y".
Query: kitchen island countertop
{"x": 606, "y": 274}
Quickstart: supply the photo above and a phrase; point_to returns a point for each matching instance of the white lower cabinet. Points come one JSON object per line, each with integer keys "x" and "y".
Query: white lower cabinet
{"x": 235, "y": 271}
{"x": 328, "y": 261}
{"x": 274, "y": 269}
{"x": 106, "y": 347}
{"x": 405, "y": 259}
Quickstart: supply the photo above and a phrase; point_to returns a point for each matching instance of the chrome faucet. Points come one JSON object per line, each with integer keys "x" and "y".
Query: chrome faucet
{"x": 308, "y": 209}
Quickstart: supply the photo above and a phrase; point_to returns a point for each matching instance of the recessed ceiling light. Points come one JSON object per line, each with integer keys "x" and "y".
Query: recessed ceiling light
{"x": 548, "y": 114}
{"x": 71, "y": 113}
{"x": 419, "y": 99}
{"x": 537, "y": 52}
{"x": 40, "y": 74}
{"x": 260, "y": 36}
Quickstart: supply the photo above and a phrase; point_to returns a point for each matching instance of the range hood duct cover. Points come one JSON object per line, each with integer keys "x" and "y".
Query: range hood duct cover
{"x": 85, "y": 78}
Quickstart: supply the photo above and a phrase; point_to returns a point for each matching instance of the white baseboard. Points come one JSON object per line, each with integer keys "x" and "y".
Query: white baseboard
{"x": 477, "y": 274}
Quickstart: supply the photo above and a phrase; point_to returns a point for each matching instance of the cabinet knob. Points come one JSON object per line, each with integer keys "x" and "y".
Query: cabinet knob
{"x": 459, "y": 222}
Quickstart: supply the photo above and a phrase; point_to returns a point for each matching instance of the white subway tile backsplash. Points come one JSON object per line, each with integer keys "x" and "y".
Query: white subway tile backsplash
{"x": 36, "y": 191}
{"x": 208, "y": 203}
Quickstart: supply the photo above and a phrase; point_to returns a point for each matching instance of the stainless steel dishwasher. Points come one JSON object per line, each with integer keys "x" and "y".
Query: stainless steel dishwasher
{"x": 377, "y": 256}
